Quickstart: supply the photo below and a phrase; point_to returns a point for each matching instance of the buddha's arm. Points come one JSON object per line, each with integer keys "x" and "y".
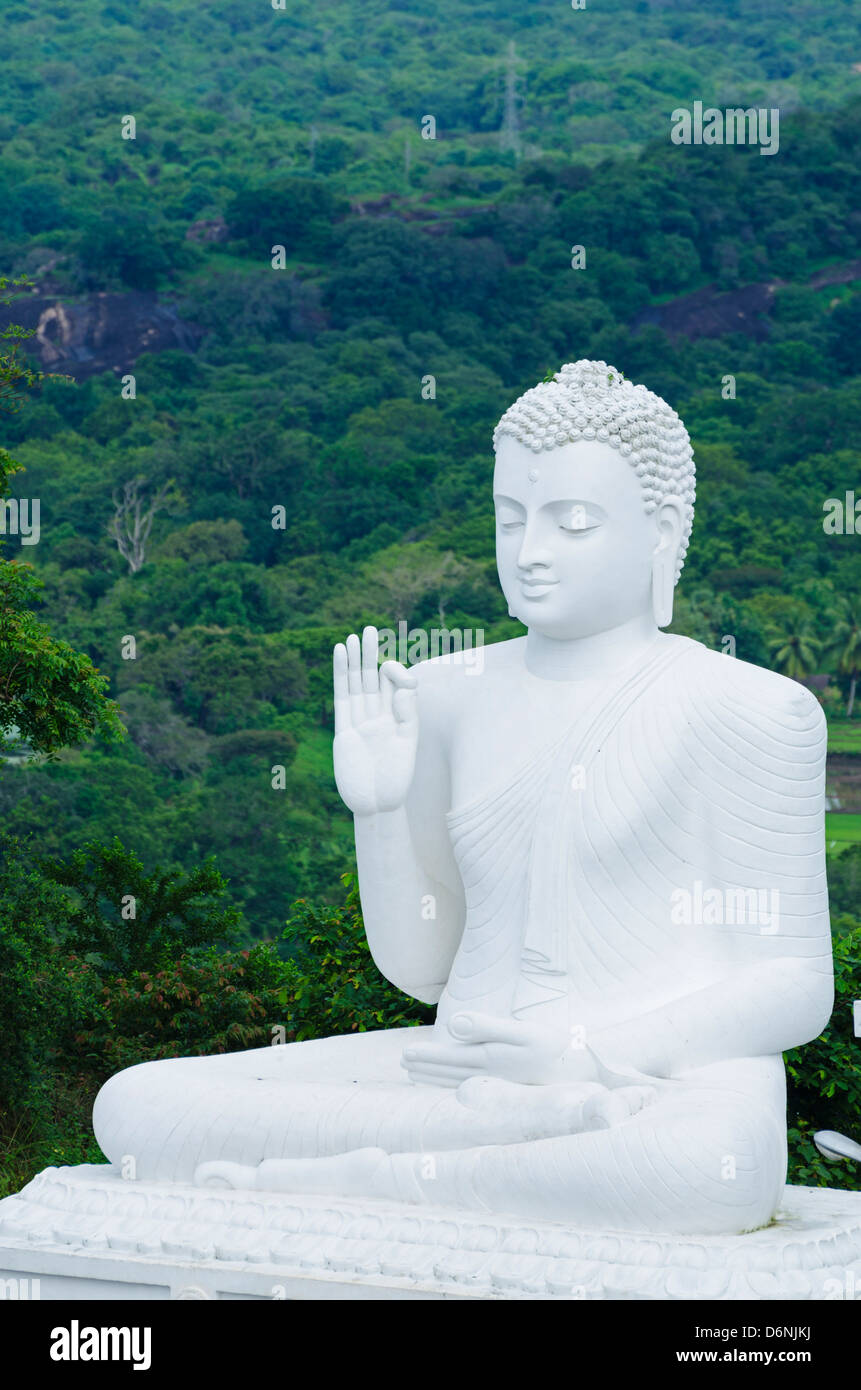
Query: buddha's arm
{"x": 760, "y": 761}
{"x": 411, "y": 891}
{"x": 413, "y": 920}
{"x": 758, "y": 1011}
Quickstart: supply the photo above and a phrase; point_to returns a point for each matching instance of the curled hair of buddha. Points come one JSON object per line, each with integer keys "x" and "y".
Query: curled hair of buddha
{"x": 593, "y": 401}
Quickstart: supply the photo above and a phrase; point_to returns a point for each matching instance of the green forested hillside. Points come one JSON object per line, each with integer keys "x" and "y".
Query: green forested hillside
{"x": 305, "y": 394}
{"x": 225, "y": 86}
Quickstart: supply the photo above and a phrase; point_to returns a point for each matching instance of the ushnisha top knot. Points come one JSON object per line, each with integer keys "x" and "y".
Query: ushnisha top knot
{"x": 593, "y": 401}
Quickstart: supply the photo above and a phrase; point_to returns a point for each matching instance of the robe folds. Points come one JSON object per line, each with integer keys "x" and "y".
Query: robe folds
{"x": 669, "y": 846}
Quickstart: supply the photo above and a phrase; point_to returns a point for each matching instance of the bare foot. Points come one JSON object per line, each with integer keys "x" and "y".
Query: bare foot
{"x": 349, "y": 1174}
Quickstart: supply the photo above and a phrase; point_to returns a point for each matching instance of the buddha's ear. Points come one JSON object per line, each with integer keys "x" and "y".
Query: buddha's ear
{"x": 669, "y": 520}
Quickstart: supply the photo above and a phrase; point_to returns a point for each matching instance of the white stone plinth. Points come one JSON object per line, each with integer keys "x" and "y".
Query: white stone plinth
{"x": 86, "y": 1233}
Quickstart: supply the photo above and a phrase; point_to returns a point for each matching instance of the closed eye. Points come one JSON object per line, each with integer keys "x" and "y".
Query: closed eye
{"x": 578, "y": 520}
{"x": 508, "y": 516}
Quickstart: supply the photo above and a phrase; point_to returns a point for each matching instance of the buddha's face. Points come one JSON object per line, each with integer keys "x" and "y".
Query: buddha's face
{"x": 574, "y": 543}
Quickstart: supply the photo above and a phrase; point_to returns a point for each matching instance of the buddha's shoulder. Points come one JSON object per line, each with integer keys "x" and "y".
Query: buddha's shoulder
{"x": 470, "y": 659}
{"x": 455, "y": 679}
{"x": 719, "y": 678}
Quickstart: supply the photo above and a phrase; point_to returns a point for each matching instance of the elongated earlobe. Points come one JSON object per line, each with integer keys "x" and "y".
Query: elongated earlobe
{"x": 663, "y": 585}
{"x": 665, "y": 559}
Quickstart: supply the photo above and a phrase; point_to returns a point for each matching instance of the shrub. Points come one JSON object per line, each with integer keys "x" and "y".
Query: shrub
{"x": 206, "y": 1002}
{"x": 824, "y": 1079}
{"x": 844, "y": 881}
{"x": 132, "y": 920}
{"x": 30, "y": 994}
{"x": 333, "y": 985}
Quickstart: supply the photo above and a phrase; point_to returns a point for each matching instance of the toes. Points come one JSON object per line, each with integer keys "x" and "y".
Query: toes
{"x": 637, "y": 1097}
{"x": 602, "y": 1112}
{"x": 613, "y": 1107}
{"x": 223, "y": 1175}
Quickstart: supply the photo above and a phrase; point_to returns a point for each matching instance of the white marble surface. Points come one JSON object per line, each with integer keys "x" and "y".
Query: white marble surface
{"x": 86, "y": 1233}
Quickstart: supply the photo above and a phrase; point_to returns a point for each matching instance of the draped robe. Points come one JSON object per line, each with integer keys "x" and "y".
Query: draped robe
{"x": 693, "y": 782}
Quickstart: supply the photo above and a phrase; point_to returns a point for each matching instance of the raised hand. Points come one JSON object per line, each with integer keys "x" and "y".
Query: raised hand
{"x": 376, "y": 727}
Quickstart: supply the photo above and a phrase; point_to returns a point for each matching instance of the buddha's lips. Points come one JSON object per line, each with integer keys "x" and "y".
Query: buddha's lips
{"x": 537, "y": 584}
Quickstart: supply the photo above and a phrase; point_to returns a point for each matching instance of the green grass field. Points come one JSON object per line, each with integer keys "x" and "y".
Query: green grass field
{"x": 841, "y": 831}
{"x": 845, "y": 737}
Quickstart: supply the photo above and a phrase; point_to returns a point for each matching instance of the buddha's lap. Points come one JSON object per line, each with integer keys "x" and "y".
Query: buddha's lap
{"x": 375, "y": 1056}
{"x": 313, "y": 1078}
{"x": 351, "y": 1057}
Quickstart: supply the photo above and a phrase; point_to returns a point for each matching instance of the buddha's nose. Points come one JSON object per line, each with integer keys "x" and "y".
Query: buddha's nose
{"x": 533, "y": 550}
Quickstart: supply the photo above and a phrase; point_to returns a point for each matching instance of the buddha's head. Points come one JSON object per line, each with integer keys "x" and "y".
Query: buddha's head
{"x": 594, "y": 496}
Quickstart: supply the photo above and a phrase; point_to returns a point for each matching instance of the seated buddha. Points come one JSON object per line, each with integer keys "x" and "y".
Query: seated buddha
{"x": 566, "y": 851}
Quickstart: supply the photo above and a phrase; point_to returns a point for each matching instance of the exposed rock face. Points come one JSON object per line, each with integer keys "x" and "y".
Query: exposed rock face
{"x": 103, "y": 332}
{"x": 208, "y": 229}
{"x": 709, "y": 312}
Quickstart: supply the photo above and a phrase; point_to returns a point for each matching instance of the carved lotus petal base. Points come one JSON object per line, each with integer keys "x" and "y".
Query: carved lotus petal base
{"x": 84, "y": 1232}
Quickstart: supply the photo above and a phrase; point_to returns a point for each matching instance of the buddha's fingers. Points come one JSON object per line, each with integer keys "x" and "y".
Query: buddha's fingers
{"x": 486, "y": 1028}
{"x": 342, "y": 693}
{"x": 370, "y": 671}
{"x": 439, "y": 1074}
{"x": 405, "y": 710}
{"x": 444, "y": 1064}
{"x": 445, "y": 1054}
{"x": 398, "y": 689}
{"x": 354, "y": 674}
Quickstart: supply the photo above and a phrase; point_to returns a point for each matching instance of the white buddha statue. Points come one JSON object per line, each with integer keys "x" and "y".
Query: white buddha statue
{"x": 602, "y": 855}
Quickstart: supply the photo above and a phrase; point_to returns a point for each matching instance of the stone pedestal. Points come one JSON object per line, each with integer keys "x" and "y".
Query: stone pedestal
{"x": 85, "y": 1233}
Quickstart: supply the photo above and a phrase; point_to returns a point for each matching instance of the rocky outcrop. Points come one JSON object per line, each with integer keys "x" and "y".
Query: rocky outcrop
{"x": 208, "y": 229}
{"x": 709, "y": 312}
{"x": 102, "y": 332}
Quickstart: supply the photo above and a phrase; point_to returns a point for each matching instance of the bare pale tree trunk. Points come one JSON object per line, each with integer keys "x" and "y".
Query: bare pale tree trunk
{"x": 851, "y": 705}
{"x": 132, "y": 520}
{"x": 509, "y": 135}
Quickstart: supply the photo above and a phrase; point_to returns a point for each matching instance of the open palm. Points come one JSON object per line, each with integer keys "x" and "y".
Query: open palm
{"x": 376, "y": 726}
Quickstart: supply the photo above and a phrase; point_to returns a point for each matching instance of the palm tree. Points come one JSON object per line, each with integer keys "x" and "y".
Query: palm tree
{"x": 845, "y": 646}
{"x": 794, "y": 647}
